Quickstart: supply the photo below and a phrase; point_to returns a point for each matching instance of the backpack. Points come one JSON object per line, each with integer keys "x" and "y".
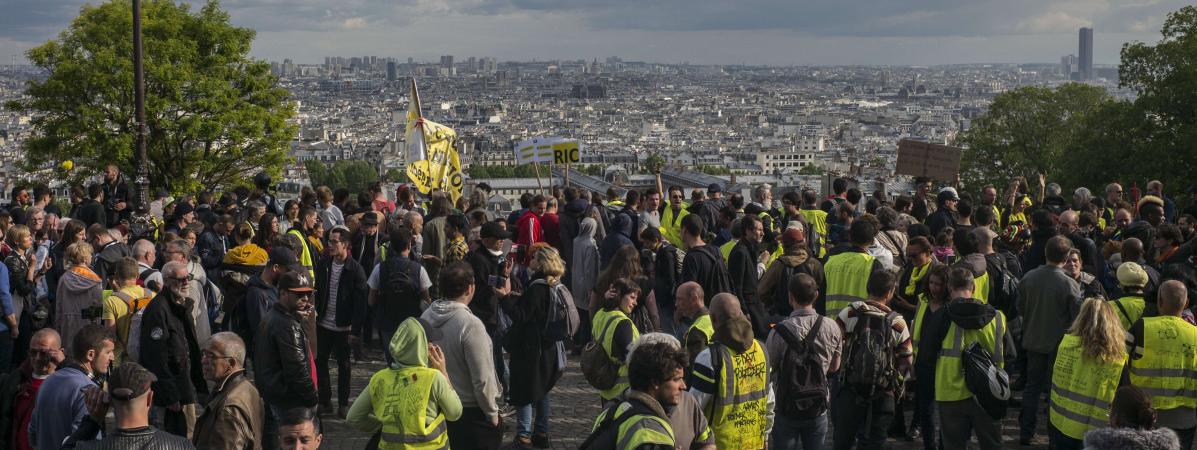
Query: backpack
{"x": 1003, "y": 285}
{"x": 989, "y": 384}
{"x": 399, "y": 285}
{"x": 145, "y": 274}
{"x": 870, "y": 364}
{"x": 136, "y": 312}
{"x": 600, "y": 369}
{"x": 561, "y": 319}
{"x": 802, "y": 384}
{"x": 213, "y": 299}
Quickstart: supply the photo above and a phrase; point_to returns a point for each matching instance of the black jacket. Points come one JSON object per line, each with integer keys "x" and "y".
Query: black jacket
{"x": 704, "y": 265}
{"x": 116, "y": 192}
{"x": 741, "y": 266}
{"x": 169, "y": 350}
{"x": 351, "y": 293}
{"x": 91, "y": 212}
{"x": 939, "y": 220}
{"x": 666, "y": 270}
{"x": 211, "y": 249}
{"x": 282, "y": 362}
{"x": 534, "y": 360}
{"x": 485, "y": 306}
{"x": 259, "y": 297}
{"x": 106, "y": 261}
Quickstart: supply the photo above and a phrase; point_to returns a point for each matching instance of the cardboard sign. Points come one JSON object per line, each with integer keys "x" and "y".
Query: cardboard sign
{"x": 545, "y": 150}
{"x": 924, "y": 159}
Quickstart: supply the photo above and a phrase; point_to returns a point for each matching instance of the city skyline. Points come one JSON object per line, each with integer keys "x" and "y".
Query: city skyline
{"x": 759, "y": 32}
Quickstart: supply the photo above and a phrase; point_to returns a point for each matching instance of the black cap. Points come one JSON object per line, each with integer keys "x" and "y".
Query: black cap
{"x": 182, "y": 208}
{"x": 494, "y": 230}
{"x": 282, "y": 256}
{"x": 129, "y": 381}
{"x": 713, "y": 188}
{"x": 296, "y": 281}
{"x": 369, "y": 218}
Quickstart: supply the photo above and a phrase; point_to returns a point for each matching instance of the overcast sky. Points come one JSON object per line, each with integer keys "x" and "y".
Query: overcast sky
{"x": 784, "y": 32}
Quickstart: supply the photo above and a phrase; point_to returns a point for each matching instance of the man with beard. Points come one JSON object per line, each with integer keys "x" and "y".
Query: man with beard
{"x": 283, "y": 364}
{"x": 116, "y": 196}
{"x": 170, "y": 351}
{"x": 744, "y": 266}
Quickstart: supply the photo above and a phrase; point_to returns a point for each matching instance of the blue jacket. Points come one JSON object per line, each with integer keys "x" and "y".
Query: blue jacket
{"x": 59, "y": 408}
{"x": 6, "y": 306}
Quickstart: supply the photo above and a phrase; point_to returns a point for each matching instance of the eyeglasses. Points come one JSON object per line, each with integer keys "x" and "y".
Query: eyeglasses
{"x": 212, "y": 356}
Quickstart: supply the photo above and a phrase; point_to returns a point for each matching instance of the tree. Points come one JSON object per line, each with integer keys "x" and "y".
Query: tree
{"x": 353, "y": 175}
{"x": 654, "y": 163}
{"x": 811, "y": 169}
{"x": 1026, "y": 131}
{"x": 215, "y": 116}
{"x": 1164, "y": 77}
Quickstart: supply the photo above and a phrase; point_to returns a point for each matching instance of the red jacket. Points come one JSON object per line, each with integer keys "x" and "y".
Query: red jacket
{"x": 530, "y": 231}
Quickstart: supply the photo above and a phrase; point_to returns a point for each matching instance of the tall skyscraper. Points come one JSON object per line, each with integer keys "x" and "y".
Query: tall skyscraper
{"x": 1086, "y": 54}
{"x": 392, "y": 73}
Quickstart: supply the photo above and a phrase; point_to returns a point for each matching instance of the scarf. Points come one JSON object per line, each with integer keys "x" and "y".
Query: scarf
{"x": 916, "y": 275}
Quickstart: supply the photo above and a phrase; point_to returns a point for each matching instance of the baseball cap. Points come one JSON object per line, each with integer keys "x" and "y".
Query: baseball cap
{"x": 947, "y": 193}
{"x": 714, "y": 187}
{"x": 792, "y": 236}
{"x": 296, "y": 281}
{"x": 129, "y": 381}
{"x": 494, "y": 230}
{"x": 1131, "y": 274}
{"x": 283, "y": 256}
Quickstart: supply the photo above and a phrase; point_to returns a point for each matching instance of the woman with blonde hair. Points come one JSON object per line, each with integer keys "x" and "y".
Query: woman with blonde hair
{"x": 537, "y": 357}
{"x": 1086, "y": 373}
{"x": 79, "y": 298}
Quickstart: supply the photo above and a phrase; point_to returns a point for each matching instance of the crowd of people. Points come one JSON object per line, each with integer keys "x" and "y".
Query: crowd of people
{"x": 701, "y": 321}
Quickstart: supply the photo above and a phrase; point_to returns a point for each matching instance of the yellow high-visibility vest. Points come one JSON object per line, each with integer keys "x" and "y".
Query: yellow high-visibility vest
{"x": 671, "y": 224}
{"x": 305, "y": 256}
{"x": 847, "y": 280}
{"x": 1168, "y": 369}
{"x": 400, "y": 400}
{"x": 701, "y": 325}
{"x": 949, "y": 371}
{"x": 738, "y": 409}
{"x": 1082, "y": 389}
{"x": 637, "y": 430}
{"x": 603, "y": 332}
{"x": 1129, "y": 309}
{"x": 818, "y": 219}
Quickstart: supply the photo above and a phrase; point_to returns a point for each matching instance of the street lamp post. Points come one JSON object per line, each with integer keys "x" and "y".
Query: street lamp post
{"x": 141, "y": 202}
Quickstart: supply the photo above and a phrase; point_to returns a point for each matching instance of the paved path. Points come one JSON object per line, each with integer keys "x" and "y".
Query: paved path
{"x": 574, "y": 406}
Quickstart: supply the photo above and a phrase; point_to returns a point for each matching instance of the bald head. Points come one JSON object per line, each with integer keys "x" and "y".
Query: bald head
{"x": 724, "y": 307}
{"x": 689, "y": 291}
{"x": 1070, "y": 218}
{"x": 1173, "y": 298}
{"x": 47, "y": 337}
{"x": 1132, "y": 250}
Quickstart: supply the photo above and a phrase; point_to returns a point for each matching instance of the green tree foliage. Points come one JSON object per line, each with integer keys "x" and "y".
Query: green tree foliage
{"x": 654, "y": 163}
{"x": 1164, "y": 77}
{"x": 215, "y": 116}
{"x": 811, "y": 169}
{"x": 1027, "y": 130}
{"x": 1080, "y": 136}
{"x": 353, "y": 175}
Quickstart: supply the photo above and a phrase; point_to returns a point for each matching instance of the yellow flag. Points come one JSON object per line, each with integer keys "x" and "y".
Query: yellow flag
{"x": 433, "y": 163}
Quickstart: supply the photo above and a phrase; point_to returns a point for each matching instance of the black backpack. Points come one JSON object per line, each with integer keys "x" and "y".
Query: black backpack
{"x": 870, "y": 365}
{"x": 399, "y": 288}
{"x": 802, "y": 384}
{"x": 989, "y": 383}
{"x": 1003, "y": 285}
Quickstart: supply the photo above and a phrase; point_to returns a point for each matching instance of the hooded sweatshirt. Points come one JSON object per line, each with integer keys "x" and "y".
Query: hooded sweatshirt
{"x": 584, "y": 268}
{"x": 970, "y": 314}
{"x": 736, "y": 335}
{"x": 619, "y": 236}
{"x": 79, "y": 289}
{"x": 468, "y": 357}
{"x": 975, "y": 263}
{"x": 409, "y": 347}
{"x": 1131, "y": 439}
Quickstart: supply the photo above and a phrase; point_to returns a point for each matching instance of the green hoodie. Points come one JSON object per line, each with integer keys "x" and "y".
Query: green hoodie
{"x": 409, "y": 347}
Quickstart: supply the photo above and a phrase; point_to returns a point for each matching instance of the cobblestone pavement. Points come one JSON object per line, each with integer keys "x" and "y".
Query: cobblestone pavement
{"x": 575, "y": 404}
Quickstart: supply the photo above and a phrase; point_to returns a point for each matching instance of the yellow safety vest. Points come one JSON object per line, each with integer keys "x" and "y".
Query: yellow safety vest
{"x": 637, "y": 430}
{"x": 702, "y": 325}
{"x": 817, "y": 219}
{"x": 1130, "y": 310}
{"x": 671, "y": 226}
{"x": 981, "y": 288}
{"x": 1082, "y": 389}
{"x": 949, "y": 371}
{"x": 1168, "y": 369}
{"x": 738, "y": 409}
{"x": 726, "y": 249}
{"x": 400, "y": 400}
{"x": 305, "y": 256}
{"x": 603, "y": 332}
{"x": 847, "y": 280}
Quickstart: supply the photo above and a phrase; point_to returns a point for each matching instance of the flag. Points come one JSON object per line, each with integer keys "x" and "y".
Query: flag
{"x": 432, "y": 160}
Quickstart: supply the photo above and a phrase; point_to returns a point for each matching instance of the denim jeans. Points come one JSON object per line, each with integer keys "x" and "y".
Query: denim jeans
{"x": 496, "y": 341}
{"x": 806, "y": 434}
{"x": 523, "y": 415}
{"x": 1039, "y": 377}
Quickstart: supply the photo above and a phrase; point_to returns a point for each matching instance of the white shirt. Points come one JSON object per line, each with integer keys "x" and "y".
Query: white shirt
{"x": 329, "y": 320}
